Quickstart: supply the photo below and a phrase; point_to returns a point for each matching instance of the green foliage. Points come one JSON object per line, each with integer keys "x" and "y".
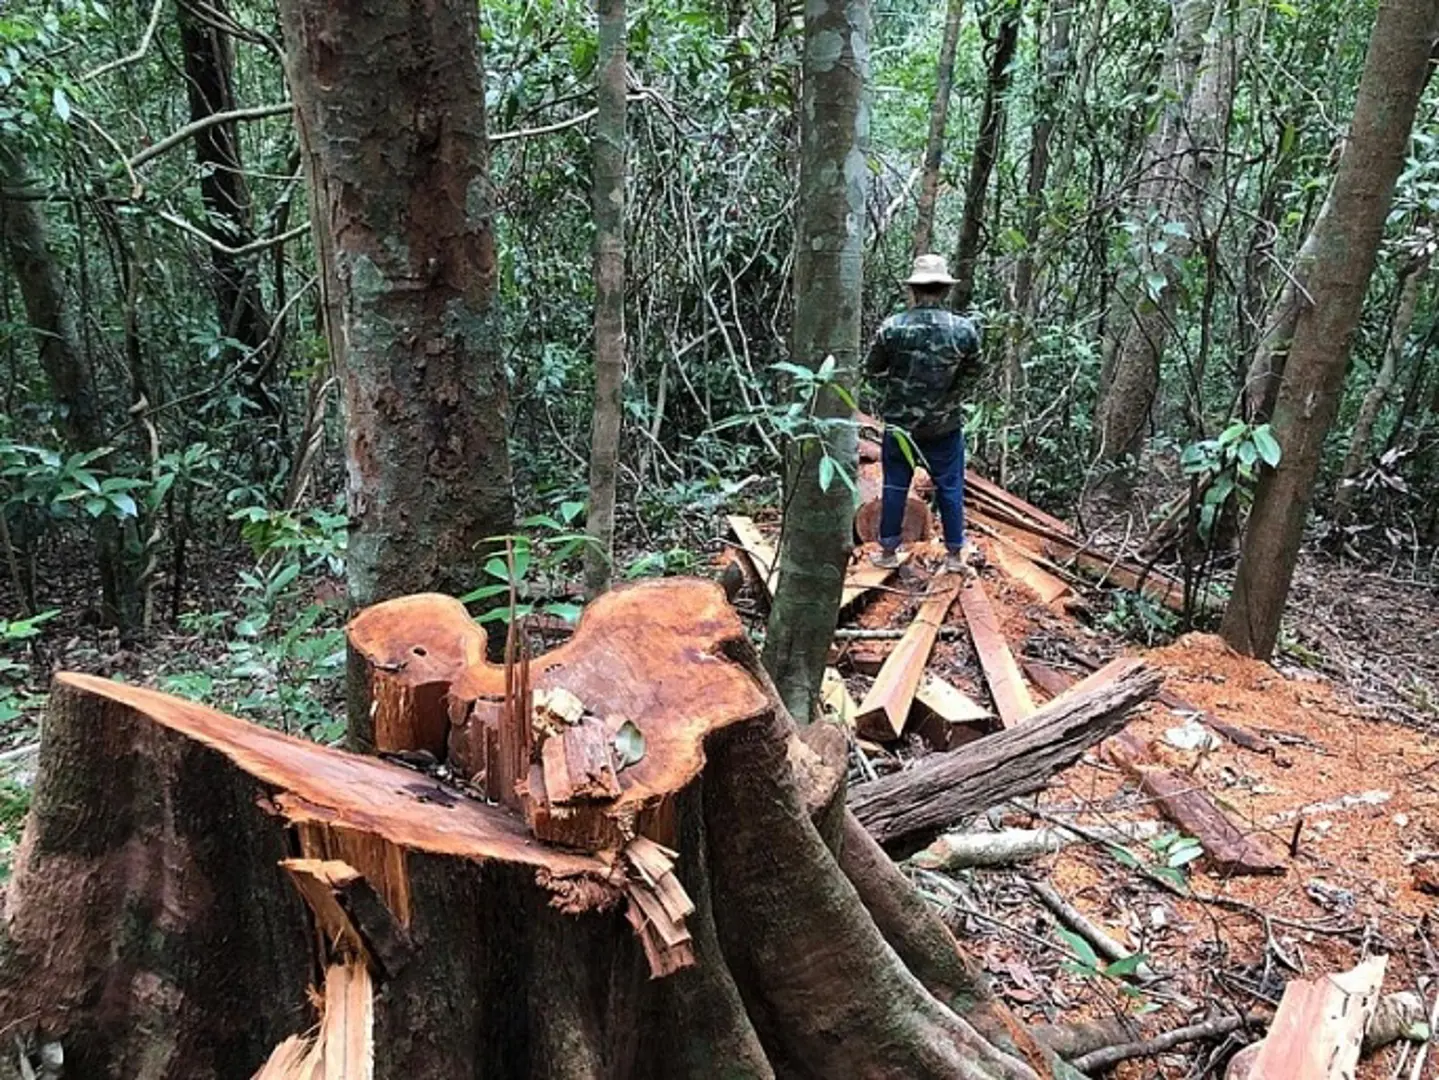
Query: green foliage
{"x": 1228, "y": 466}
{"x": 1137, "y": 616}
{"x": 1169, "y": 854}
{"x": 1088, "y": 965}
{"x": 15, "y": 701}
{"x": 533, "y": 568}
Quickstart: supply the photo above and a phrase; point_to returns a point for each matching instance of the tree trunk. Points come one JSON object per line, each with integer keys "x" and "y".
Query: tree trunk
{"x": 828, "y": 278}
{"x": 986, "y": 152}
{"x": 1179, "y": 164}
{"x": 1048, "y": 97}
{"x": 609, "y": 212}
{"x": 1271, "y": 354}
{"x": 160, "y": 851}
{"x": 70, "y": 374}
{"x": 210, "y": 87}
{"x": 938, "y": 125}
{"x": 1411, "y": 282}
{"x": 399, "y": 170}
{"x": 1345, "y": 243}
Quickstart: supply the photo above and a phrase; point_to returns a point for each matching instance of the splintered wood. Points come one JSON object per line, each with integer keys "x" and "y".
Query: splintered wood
{"x": 351, "y": 918}
{"x": 885, "y": 708}
{"x": 1006, "y": 684}
{"x": 344, "y": 1047}
{"x": 658, "y": 906}
{"x": 575, "y": 781}
{"x": 1319, "y": 1029}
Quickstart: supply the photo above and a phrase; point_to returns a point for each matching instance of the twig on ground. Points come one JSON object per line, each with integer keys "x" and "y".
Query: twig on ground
{"x": 1210, "y": 1029}
{"x": 1087, "y": 928}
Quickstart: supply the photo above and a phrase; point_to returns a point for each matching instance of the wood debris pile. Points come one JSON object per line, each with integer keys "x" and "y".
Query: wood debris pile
{"x": 1176, "y": 914}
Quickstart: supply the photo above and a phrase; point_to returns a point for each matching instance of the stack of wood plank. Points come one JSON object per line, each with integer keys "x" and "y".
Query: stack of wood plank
{"x": 1039, "y": 553}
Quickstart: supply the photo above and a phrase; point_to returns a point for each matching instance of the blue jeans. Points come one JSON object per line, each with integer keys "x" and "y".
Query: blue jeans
{"x": 944, "y": 458}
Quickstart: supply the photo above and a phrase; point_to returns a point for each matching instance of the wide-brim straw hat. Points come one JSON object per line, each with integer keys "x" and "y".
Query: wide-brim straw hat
{"x": 929, "y": 270}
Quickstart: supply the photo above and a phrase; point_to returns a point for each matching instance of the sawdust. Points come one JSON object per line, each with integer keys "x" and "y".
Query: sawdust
{"x": 1348, "y": 801}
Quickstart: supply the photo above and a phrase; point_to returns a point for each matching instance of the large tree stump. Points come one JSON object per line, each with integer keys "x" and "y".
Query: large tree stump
{"x": 186, "y": 876}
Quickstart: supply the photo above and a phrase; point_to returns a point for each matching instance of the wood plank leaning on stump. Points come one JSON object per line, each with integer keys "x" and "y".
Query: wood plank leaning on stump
{"x": 904, "y": 810}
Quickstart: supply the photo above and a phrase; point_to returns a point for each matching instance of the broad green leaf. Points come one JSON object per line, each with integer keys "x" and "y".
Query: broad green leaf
{"x": 569, "y": 612}
{"x": 1080, "y": 947}
{"x": 1267, "y": 445}
{"x": 1123, "y": 856}
{"x": 826, "y": 472}
{"x": 1128, "y": 966}
{"x": 61, "y": 104}
{"x": 571, "y": 510}
{"x": 1232, "y": 433}
{"x": 484, "y": 592}
{"x": 124, "y": 503}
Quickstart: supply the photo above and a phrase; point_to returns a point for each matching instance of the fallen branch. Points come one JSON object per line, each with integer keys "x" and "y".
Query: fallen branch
{"x": 1109, "y": 1056}
{"x": 907, "y": 808}
{"x": 962, "y": 850}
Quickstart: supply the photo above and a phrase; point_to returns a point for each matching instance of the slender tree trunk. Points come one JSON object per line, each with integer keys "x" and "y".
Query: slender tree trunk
{"x": 1271, "y": 354}
{"x": 399, "y": 168}
{"x": 1179, "y": 163}
{"x": 986, "y": 152}
{"x": 210, "y": 87}
{"x": 1047, "y": 109}
{"x": 609, "y": 213}
{"x": 938, "y": 123}
{"x": 68, "y": 369}
{"x": 1411, "y": 283}
{"x": 1345, "y": 243}
{"x": 828, "y": 280}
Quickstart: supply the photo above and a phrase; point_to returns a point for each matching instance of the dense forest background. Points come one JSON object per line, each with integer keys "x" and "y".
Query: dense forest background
{"x": 1122, "y": 186}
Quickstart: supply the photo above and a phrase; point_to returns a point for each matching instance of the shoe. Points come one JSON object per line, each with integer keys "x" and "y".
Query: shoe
{"x": 885, "y": 560}
{"x": 956, "y": 563}
{"x": 968, "y": 560}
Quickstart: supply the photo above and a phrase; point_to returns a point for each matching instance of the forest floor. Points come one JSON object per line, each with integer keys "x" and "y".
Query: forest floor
{"x": 1345, "y": 796}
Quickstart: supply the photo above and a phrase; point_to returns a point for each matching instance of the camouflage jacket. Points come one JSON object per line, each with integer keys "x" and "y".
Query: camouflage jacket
{"x": 921, "y": 363}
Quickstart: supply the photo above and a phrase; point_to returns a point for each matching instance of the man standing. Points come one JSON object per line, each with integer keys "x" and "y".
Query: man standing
{"x": 921, "y": 363}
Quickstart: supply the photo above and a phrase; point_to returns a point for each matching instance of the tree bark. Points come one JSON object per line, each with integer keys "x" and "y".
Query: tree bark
{"x": 1179, "y": 164}
{"x": 828, "y": 278}
{"x": 399, "y": 170}
{"x": 225, "y": 194}
{"x": 1411, "y": 282}
{"x": 1345, "y": 243}
{"x": 986, "y": 152}
{"x": 609, "y": 213}
{"x": 161, "y": 843}
{"x": 938, "y": 125}
{"x": 1271, "y": 354}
